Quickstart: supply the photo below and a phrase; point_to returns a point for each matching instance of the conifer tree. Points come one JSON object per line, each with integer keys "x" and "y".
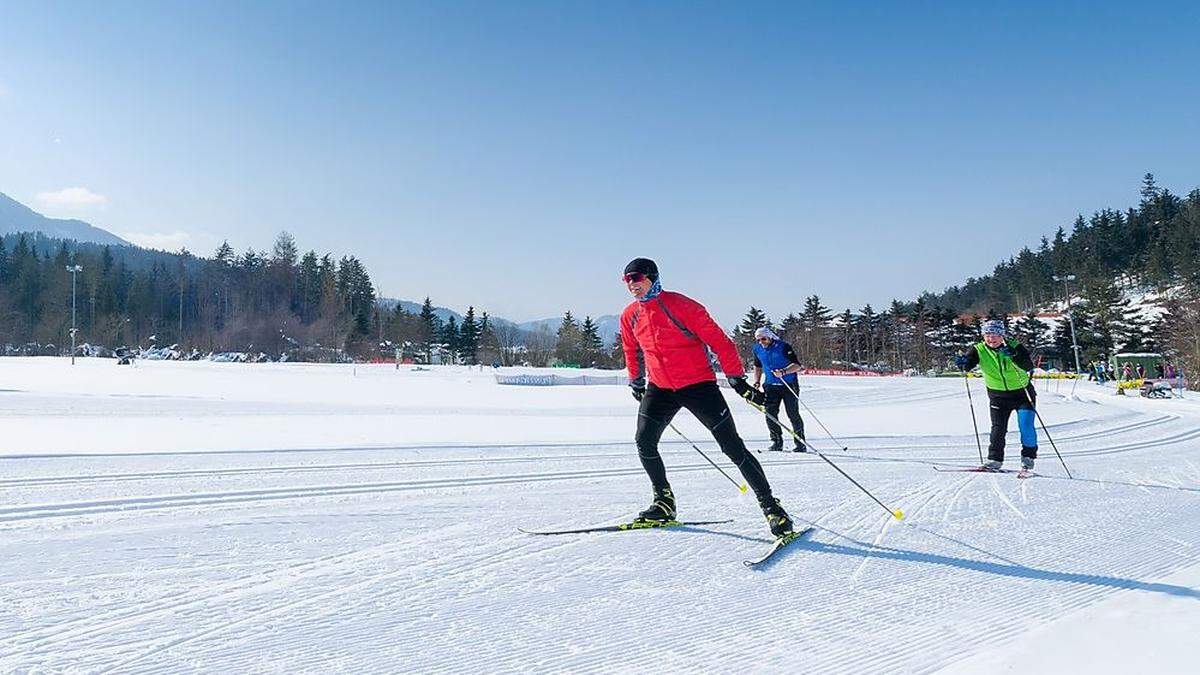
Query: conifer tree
{"x": 468, "y": 338}
{"x": 591, "y": 346}
{"x": 569, "y": 341}
{"x": 3, "y": 262}
{"x": 1031, "y": 331}
{"x": 866, "y": 328}
{"x": 897, "y": 335}
{"x": 1105, "y": 309}
{"x": 812, "y": 343}
{"x": 845, "y": 336}
{"x": 490, "y": 350}
{"x": 743, "y": 337}
{"x": 430, "y": 329}
{"x": 449, "y": 339}
{"x": 224, "y": 255}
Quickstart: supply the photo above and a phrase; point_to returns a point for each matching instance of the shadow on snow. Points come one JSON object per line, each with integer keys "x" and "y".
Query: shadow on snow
{"x": 1012, "y": 570}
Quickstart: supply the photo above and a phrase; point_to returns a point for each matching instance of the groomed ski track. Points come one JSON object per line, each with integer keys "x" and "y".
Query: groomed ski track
{"x": 386, "y": 557}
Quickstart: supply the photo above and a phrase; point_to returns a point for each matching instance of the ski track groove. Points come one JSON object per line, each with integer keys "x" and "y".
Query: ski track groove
{"x": 464, "y": 569}
{"x": 1106, "y": 432}
{"x": 157, "y": 502}
{"x": 232, "y": 594}
{"x": 911, "y": 513}
{"x": 91, "y": 624}
{"x": 28, "y": 512}
{"x": 1008, "y": 614}
{"x": 906, "y": 655}
{"x": 103, "y": 621}
{"x": 957, "y": 494}
{"x": 995, "y": 484}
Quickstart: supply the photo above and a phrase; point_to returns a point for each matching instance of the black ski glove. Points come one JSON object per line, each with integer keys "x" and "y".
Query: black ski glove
{"x": 741, "y": 388}
{"x": 638, "y": 391}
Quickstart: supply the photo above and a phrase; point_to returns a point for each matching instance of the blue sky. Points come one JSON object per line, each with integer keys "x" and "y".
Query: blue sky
{"x": 515, "y": 155}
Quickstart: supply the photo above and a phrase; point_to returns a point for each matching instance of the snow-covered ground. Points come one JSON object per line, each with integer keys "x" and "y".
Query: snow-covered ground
{"x": 287, "y": 518}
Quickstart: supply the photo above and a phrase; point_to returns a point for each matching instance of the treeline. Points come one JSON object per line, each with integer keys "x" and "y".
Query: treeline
{"x": 894, "y": 339}
{"x": 424, "y": 337}
{"x": 305, "y": 306}
{"x": 1155, "y": 245}
{"x": 580, "y": 344}
{"x": 922, "y": 337}
{"x": 316, "y": 307}
{"x": 273, "y": 302}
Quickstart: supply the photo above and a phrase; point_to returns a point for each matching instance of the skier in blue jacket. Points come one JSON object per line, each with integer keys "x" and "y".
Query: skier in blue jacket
{"x": 778, "y": 360}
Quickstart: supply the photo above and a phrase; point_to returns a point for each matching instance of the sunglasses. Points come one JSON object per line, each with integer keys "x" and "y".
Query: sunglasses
{"x": 633, "y": 278}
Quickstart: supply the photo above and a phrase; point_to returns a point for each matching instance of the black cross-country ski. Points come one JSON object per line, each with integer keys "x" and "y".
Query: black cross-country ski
{"x": 634, "y": 525}
{"x": 780, "y": 544}
{"x": 972, "y": 469}
{"x": 1023, "y": 473}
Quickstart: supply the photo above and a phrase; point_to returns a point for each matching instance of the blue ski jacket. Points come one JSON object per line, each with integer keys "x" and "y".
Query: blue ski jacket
{"x": 778, "y": 356}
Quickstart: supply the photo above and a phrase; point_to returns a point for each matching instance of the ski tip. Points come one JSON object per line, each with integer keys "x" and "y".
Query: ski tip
{"x": 899, "y": 515}
{"x": 743, "y": 488}
{"x": 779, "y": 544}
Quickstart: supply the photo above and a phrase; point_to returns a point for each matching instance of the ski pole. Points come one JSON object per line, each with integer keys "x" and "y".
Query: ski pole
{"x": 1047, "y": 432}
{"x": 740, "y": 486}
{"x": 796, "y": 393}
{"x": 974, "y": 423}
{"x": 895, "y": 513}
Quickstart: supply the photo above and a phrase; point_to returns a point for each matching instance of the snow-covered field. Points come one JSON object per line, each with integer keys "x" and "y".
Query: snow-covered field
{"x": 298, "y": 518}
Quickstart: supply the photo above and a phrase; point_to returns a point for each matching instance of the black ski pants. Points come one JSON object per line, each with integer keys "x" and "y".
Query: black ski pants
{"x": 704, "y": 400}
{"x": 1002, "y": 404}
{"x": 775, "y": 394}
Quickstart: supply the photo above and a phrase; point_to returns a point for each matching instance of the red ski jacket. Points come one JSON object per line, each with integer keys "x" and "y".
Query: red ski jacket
{"x": 665, "y": 338}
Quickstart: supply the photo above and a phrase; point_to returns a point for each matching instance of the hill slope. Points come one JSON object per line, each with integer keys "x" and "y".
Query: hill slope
{"x": 16, "y": 217}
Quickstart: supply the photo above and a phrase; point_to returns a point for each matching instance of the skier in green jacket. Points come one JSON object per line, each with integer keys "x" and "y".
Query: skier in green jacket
{"x": 1006, "y": 365}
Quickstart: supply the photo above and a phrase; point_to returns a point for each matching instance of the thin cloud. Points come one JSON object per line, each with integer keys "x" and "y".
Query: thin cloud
{"x": 163, "y": 241}
{"x": 72, "y": 198}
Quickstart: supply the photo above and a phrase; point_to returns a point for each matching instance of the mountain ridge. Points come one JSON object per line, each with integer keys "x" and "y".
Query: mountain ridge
{"x": 16, "y": 217}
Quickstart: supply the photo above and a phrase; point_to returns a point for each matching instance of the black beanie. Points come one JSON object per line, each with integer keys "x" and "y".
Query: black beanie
{"x": 645, "y": 266}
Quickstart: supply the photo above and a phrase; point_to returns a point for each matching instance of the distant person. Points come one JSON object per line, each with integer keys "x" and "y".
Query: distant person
{"x": 1092, "y": 372}
{"x": 664, "y": 335}
{"x": 1141, "y": 371}
{"x": 779, "y": 361}
{"x": 1159, "y": 372}
{"x": 1006, "y": 365}
{"x": 1126, "y": 372}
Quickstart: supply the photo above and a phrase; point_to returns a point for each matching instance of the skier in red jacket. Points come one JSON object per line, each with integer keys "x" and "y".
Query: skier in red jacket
{"x": 664, "y": 335}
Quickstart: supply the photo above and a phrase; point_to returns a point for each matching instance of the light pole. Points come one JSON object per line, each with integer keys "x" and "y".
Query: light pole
{"x": 1070, "y": 314}
{"x": 74, "y": 270}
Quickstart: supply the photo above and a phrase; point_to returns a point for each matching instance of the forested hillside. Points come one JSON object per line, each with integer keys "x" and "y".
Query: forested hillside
{"x": 1153, "y": 247}
{"x": 1155, "y": 243}
{"x": 130, "y": 296}
{"x": 314, "y": 306}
